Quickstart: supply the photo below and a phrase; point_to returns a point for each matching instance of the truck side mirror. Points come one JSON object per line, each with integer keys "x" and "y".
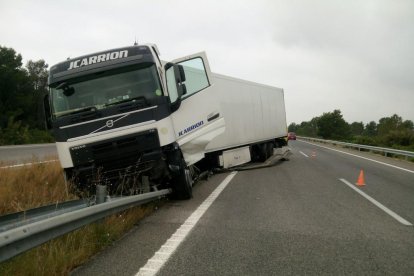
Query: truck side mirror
{"x": 183, "y": 88}
{"x": 179, "y": 74}
{"x": 48, "y": 115}
{"x": 168, "y": 65}
{"x": 176, "y": 87}
{"x": 182, "y": 79}
{"x": 182, "y": 73}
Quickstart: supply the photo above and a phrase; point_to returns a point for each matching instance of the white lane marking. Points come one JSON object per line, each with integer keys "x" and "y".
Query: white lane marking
{"x": 376, "y": 203}
{"x": 33, "y": 146}
{"x": 160, "y": 257}
{"x": 379, "y": 162}
{"x": 304, "y": 154}
{"x": 28, "y": 164}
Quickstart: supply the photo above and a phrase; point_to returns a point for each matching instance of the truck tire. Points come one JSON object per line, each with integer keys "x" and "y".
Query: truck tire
{"x": 270, "y": 147}
{"x": 182, "y": 183}
{"x": 263, "y": 152}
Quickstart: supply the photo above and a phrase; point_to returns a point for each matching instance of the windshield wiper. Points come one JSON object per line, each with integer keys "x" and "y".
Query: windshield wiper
{"x": 141, "y": 98}
{"x": 88, "y": 108}
{"x": 61, "y": 85}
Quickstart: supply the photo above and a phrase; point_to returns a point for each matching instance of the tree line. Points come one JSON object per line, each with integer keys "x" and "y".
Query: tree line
{"x": 22, "y": 89}
{"x": 390, "y": 131}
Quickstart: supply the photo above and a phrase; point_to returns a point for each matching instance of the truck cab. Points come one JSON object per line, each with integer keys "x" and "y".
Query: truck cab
{"x": 125, "y": 119}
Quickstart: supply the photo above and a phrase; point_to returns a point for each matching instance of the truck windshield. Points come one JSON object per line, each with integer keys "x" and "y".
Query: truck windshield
{"x": 105, "y": 89}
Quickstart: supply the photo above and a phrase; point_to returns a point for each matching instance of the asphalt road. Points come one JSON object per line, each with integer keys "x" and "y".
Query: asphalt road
{"x": 27, "y": 153}
{"x": 294, "y": 218}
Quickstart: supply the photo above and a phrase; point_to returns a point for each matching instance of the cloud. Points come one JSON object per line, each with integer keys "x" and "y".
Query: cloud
{"x": 350, "y": 55}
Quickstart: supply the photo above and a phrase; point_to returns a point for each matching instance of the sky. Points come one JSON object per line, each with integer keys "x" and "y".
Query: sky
{"x": 356, "y": 56}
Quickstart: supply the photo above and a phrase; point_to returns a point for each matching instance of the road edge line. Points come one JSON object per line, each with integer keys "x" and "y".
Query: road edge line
{"x": 378, "y": 204}
{"x": 379, "y": 162}
{"x": 29, "y": 164}
{"x": 156, "y": 262}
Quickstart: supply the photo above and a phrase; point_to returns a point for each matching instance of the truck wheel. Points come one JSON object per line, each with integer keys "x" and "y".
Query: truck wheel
{"x": 263, "y": 152}
{"x": 269, "y": 149}
{"x": 182, "y": 183}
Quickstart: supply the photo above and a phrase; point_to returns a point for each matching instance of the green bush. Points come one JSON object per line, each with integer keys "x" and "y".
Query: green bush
{"x": 16, "y": 134}
{"x": 365, "y": 140}
{"x": 40, "y": 136}
{"x": 403, "y": 137}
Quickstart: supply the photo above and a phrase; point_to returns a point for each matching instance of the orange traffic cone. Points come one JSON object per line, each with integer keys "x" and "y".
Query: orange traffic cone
{"x": 361, "y": 181}
{"x": 313, "y": 154}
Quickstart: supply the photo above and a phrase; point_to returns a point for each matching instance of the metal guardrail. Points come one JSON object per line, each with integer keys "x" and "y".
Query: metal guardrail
{"x": 22, "y": 238}
{"x": 15, "y": 220}
{"x": 385, "y": 151}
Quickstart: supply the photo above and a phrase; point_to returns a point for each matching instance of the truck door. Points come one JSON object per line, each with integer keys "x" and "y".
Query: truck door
{"x": 198, "y": 120}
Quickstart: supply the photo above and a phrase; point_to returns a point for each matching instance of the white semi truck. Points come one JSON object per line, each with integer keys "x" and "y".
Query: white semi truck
{"x": 125, "y": 119}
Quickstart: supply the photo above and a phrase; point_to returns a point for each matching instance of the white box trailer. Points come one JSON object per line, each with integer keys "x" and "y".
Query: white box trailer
{"x": 123, "y": 118}
{"x": 253, "y": 113}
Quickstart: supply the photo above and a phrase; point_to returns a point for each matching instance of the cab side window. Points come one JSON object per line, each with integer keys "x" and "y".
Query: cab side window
{"x": 195, "y": 76}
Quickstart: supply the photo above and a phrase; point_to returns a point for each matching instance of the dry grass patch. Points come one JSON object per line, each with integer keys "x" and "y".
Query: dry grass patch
{"x": 28, "y": 187}
{"x": 62, "y": 255}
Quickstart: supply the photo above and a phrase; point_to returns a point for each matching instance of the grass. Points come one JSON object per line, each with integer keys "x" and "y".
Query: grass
{"x": 28, "y": 187}
{"x": 62, "y": 255}
{"x": 33, "y": 186}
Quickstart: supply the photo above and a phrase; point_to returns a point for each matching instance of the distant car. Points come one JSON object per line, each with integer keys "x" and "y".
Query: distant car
{"x": 291, "y": 136}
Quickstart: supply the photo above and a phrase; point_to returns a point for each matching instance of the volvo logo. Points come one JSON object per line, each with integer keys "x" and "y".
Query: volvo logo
{"x": 110, "y": 123}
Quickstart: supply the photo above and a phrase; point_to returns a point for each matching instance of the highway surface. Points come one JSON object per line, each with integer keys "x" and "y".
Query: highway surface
{"x": 302, "y": 216}
{"x": 27, "y": 153}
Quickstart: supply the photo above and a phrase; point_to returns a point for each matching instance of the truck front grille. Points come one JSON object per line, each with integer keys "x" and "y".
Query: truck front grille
{"x": 117, "y": 152}
{"x": 116, "y": 162}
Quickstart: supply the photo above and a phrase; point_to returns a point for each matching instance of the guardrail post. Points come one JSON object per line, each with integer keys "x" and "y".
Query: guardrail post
{"x": 145, "y": 184}
{"x": 100, "y": 194}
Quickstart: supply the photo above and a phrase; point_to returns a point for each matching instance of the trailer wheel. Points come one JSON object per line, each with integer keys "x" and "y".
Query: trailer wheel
{"x": 182, "y": 183}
